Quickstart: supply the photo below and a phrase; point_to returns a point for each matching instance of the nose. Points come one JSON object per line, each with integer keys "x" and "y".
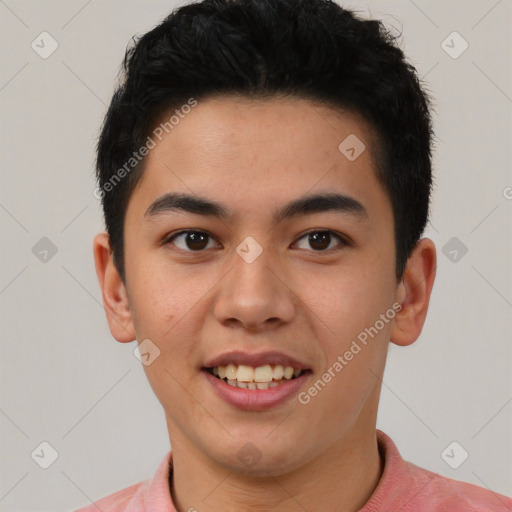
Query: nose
{"x": 255, "y": 296}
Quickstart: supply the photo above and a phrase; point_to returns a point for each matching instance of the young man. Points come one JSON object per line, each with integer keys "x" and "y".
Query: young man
{"x": 265, "y": 176}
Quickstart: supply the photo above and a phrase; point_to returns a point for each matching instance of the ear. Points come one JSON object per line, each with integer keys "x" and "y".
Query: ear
{"x": 413, "y": 293}
{"x": 115, "y": 298}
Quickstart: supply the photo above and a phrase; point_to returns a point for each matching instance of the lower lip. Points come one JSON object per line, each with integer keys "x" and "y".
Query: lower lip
{"x": 256, "y": 399}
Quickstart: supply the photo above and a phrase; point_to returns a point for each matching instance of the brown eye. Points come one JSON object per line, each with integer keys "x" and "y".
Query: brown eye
{"x": 192, "y": 241}
{"x": 321, "y": 240}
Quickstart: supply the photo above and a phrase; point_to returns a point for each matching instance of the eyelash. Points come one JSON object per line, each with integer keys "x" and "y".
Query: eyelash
{"x": 343, "y": 240}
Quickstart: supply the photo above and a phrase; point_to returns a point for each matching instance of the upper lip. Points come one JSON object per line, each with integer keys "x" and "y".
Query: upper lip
{"x": 255, "y": 359}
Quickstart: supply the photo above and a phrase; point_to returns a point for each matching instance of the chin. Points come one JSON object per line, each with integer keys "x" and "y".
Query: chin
{"x": 260, "y": 459}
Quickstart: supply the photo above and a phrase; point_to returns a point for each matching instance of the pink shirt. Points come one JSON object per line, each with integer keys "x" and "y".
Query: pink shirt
{"x": 403, "y": 487}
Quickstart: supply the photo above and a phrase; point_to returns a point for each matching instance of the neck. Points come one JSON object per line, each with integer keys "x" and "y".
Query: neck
{"x": 341, "y": 478}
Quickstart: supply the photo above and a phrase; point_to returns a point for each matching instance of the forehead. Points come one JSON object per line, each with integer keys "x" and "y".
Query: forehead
{"x": 251, "y": 154}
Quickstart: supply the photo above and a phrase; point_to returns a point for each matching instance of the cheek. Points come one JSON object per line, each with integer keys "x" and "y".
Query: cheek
{"x": 155, "y": 310}
{"x": 161, "y": 296}
{"x": 167, "y": 310}
{"x": 355, "y": 351}
{"x": 351, "y": 306}
{"x": 346, "y": 300}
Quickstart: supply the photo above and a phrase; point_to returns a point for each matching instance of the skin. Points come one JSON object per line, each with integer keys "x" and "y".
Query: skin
{"x": 254, "y": 157}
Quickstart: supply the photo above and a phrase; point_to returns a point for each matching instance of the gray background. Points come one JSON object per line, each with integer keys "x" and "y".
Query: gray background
{"x": 66, "y": 381}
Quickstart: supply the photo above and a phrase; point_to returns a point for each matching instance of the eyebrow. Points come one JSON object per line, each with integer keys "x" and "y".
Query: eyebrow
{"x": 317, "y": 203}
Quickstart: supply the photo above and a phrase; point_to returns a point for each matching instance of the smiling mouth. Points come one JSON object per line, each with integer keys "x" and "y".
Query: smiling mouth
{"x": 259, "y": 378}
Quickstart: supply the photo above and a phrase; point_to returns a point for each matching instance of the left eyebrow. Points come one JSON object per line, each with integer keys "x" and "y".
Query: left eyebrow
{"x": 317, "y": 203}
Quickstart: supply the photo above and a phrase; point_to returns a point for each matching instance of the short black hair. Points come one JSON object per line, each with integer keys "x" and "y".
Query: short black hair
{"x": 309, "y": 49}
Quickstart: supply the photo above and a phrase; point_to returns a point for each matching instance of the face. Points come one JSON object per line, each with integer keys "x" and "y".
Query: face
{"x": 304, "y": 285}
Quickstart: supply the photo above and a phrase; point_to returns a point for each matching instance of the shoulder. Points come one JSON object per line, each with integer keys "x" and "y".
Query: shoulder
{"x": 150, "y": 495}
{"x": 407, "y": 487}
{"x": 120, "y": 501}
{"x": 444, "y": 494}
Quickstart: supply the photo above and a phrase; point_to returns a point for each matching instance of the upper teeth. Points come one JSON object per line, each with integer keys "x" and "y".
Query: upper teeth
{"x": 244, "y": 373}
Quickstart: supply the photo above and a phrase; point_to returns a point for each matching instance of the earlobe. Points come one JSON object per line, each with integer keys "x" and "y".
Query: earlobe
{"x": 413, "y": 293}
{"x": 115, "y": 298}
